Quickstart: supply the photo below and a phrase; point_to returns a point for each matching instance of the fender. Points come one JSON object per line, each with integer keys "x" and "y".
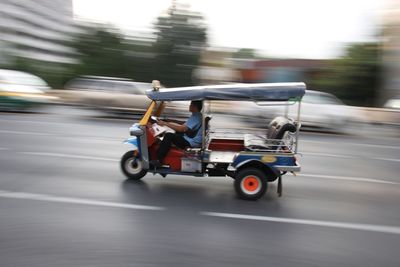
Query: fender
{"x": 265, "y": 167}
{"x": 134, "y": 142}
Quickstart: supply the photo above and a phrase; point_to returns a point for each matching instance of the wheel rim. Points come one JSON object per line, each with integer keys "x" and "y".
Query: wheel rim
{"x": 133, "y": 166}
{"x": 250, "y": 185}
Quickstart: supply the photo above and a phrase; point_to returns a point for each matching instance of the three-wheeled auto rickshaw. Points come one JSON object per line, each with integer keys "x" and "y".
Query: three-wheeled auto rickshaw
{"x": 252, "y": 160}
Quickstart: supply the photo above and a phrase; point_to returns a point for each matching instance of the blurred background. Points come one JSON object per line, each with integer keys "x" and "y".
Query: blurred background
{"x": 73, "y": 75}
{"x": 92, "y": 53}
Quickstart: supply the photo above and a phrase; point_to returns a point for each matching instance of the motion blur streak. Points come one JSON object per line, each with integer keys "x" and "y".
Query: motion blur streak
{"x": 49, "y": 198}
{"x": 355, "y": 226}
{"x": 70, "y": 89}
{"x": 68, "y": 156}
{"x": 354, "y": 179}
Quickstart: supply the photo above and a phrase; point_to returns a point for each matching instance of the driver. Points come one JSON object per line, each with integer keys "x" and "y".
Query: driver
{"x": 186, "y": 135}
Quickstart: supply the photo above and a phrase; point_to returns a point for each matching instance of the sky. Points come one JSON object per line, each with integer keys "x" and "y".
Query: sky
{"x": 277, "y": 28}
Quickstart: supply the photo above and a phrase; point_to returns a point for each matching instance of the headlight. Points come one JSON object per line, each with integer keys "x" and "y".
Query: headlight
{"x": 135, "y": 131}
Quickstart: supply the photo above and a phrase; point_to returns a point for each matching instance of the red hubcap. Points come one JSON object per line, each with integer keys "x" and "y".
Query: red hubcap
{"x": 251, "y": 183}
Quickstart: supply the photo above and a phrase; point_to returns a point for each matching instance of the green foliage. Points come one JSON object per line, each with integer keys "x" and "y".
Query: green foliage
{"x": 356, "y": 76}
{"x": 171, "y": 58}
{"x": 181, "y": 38}
{"x": 103, "y": 51}
{"x": 100, "y": 53}
{"x": 246, "y": 53}
{"x": 55, "y": 74}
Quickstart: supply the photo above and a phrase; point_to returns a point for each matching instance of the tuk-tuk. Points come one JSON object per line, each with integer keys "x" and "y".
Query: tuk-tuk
{"x": 252, "y": 160}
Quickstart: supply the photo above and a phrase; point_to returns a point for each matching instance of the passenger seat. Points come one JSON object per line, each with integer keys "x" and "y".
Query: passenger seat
{"x": 277, "y": 129}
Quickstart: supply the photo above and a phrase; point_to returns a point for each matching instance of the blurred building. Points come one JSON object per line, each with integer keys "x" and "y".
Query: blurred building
{"x": 37, "y": 30}
{"x": 391, "y": 52}
{"x": 216, "y": 67}
{"x": 279, "y": 70}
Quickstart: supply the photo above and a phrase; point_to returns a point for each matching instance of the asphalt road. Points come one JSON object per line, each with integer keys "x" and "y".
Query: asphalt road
{"x": 64, "y": 202}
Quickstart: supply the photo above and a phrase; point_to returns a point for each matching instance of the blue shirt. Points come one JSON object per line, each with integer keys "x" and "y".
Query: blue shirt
{"x": 194, "y": 123}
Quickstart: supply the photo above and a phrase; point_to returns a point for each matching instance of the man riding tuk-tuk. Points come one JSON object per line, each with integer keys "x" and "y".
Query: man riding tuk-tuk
{"x": 252, "y": 160}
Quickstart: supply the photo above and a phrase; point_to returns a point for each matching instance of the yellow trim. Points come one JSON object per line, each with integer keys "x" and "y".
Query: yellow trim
{"x": 148, "y": 113}
{"x": 160, "y": 109}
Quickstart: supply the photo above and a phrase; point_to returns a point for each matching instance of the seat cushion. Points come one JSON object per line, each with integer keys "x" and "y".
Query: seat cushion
{"x": 254, "y": 142}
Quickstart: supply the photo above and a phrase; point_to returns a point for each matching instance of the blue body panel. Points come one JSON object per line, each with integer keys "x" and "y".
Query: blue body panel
{"x": 269, "y": 160}
{"x": 133, "y": 141}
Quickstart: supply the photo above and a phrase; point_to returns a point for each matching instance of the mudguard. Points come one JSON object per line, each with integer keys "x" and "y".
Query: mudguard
{"x": 133, "y": 141}
{"x": 268, "y": 160}
{"x": 276, "y": 163}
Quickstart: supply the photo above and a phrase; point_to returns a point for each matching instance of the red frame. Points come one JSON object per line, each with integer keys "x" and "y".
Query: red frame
{"x": 226, "y": 145}
{"x": 173, "y": 157}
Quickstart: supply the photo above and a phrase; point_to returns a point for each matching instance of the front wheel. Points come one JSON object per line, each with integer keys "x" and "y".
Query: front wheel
{"x": 250, "y": 183}
{"x": 132, "y": 166}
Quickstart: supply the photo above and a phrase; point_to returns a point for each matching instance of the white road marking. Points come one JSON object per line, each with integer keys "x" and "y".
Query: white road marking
{"x": 25, "y": 132}
{"x": 347, "y": 156}
{"x": 327, "y": 155}
{"x": 343, "y": 225}
{"x": 349, "y": 144}
{"x": 94, "y": 140}
{"x": 388, "y": 159}
{"x": 72, "y": 156}
{"x": 81, "y": 138}
{"x": 39, "y": 122}
{"x": 347, "y": 178}
{"x": 81, "y": 201}
{"x": 69, "y": 123}
{"x": 3, "y": 148}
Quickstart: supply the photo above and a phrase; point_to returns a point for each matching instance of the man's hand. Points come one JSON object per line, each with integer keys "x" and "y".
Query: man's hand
{"x": 161, "y": 123}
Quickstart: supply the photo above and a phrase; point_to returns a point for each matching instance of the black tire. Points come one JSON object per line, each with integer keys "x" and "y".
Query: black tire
{"x": 250, "y": 183}
{"x": 132, "y": 166}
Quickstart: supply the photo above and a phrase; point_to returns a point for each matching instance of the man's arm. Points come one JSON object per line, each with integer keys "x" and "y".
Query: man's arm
{"x": 175, "y": 126}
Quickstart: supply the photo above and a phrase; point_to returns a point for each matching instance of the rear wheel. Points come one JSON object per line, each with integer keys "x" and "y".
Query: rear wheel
{"x": 132, "y": 166}
{"x": 250, "y": 183}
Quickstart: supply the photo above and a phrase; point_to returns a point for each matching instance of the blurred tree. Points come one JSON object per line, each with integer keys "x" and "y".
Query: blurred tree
{"x": 181, "y": 37}
{"x": 100, "y": 52}
{"x": 55, "y": 74}
{"x": 356, "y": 76}
{"x": 104, "y": 52}
{"x": 139, "y": 59}
{"x": 246, "y": 53}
